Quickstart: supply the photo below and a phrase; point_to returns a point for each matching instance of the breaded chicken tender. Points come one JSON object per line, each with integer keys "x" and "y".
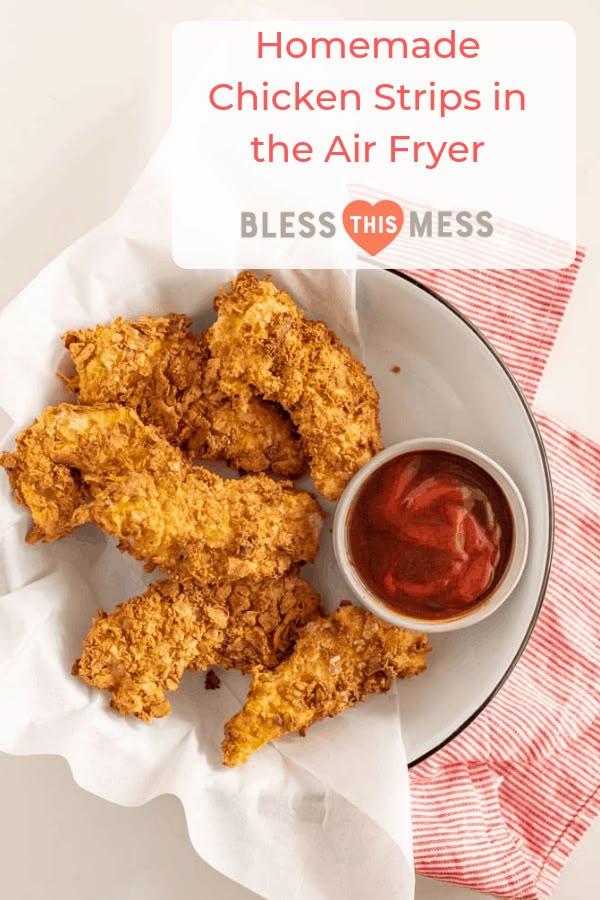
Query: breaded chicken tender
{"x": 159, "y": 368}
{"x": 261, "y": 340}
{"x": 142, "y": 649}
{"x": 79, "y": 464}
{"x": 337, "y": 662}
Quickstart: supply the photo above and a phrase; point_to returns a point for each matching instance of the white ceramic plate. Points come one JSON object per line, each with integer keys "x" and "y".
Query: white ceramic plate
{"x": 453, "y": 384}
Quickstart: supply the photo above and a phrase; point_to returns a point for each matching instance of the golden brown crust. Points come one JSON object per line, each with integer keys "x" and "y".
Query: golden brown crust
{"x": 101, "y": 464}
{"x": 337, "y": 662}
{"x": 142, "y": 649}
{"x": 159, "y": 368}
{"x": 264, "y": 621}
{"x": 262, "y": 342}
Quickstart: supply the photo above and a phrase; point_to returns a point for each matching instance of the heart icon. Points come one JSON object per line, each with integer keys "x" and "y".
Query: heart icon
{"x": 373, "y": 225}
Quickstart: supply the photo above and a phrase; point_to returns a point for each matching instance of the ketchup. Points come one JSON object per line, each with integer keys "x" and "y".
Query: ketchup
{"x": 431, "y": 534}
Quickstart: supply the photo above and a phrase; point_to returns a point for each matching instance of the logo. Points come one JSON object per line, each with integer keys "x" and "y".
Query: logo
{"x": 372, "y": 226}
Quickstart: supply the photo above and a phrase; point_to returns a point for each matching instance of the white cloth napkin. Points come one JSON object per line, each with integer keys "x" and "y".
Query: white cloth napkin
{"x": 326, "y": 816}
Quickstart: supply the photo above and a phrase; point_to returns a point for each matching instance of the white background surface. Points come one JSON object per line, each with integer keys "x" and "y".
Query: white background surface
{"x": 84, "y": 98}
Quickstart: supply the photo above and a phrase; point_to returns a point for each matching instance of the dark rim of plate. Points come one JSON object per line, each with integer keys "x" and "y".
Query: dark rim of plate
{"x": 549, "y": 494}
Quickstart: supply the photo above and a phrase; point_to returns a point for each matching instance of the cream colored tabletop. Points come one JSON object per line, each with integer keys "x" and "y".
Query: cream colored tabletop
{"x": 84, "y": 98}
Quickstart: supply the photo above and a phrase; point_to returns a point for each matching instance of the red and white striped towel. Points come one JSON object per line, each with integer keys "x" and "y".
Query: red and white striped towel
{"x": 501, "y": 807}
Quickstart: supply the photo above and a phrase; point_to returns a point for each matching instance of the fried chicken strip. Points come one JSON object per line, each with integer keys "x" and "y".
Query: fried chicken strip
{"x": 159, "y": 368}
{"x": 337, "y": 662}
{"x": 79, "y": 464}
{"x": 142, "y": 649}
{"x": 261, "y": 340}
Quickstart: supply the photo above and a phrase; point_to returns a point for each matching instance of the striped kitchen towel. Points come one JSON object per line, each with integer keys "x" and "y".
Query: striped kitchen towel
{"x": 501, "y": 807}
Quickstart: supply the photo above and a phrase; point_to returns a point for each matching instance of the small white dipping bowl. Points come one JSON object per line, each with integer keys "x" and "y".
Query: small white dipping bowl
{"x": 514, "y": 567}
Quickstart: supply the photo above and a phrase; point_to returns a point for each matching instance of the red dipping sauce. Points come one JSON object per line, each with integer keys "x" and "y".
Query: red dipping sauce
{"x": 430, "y": 534}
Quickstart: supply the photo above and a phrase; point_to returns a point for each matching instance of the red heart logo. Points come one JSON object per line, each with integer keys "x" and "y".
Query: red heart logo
{"x": 373, "y": 225}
